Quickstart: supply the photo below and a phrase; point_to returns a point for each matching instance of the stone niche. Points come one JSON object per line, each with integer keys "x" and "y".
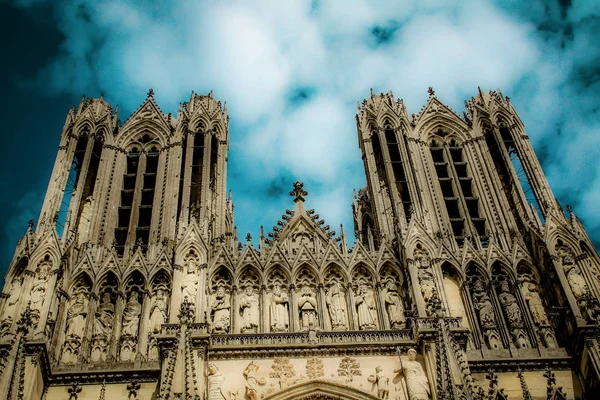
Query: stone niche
{"x": 112, "y": 392}
{"x": 268, "y": 377}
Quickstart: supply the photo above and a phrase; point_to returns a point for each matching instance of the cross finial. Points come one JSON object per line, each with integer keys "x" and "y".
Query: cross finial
{"x": 431, "y": 91}
{"x": 151, "y": 92}
{"x": 298, "y": 191}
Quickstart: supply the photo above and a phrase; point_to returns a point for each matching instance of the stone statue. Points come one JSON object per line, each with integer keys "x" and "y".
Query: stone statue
{"x": 189, "y": 287}
{"x": 394, "y": 306}
{"x": 40, "y": 286}
{"x": 220, "y": 311}
{"x": 366, "y": 309}
{"x": 572, "y": 272}
{"x": 308, "y": 309}
{"x": 158, "y": 310}
{"x": 253, "y": 382}
{"x": 249, "y": 311}
{"x": 416, "y": 380}
{"x": 280, "y": 317}
{"x": 105, "y": 314}
{"x": 336, "y": 305}
{"x": 426, "y": 279}
{"x": 76, "y": 315}
{"x": 513, "y": 314}
{"x": 215, "y": 383}
{"x": 534, "y": 301}
{"x": 485, "y": 311}
{"x": 131, "y": 316}
{"x": 381, "y": 384}
{"x": 10, "y": 306}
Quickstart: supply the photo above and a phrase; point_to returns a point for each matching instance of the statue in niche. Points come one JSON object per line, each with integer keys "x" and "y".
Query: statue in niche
{"x": 189, "y": 287}
{"x": 40, "y": 286}
{"x": 513, "y": 314}
{"x": 416, "y": 380}
{"x": 253, "y": 381}
{"x": 131, "y": 316}
{"x": 485, "y": 311}
{"x": 280, "y": 317}
{"x": 105, "y": 314}
{"x": 572, "y": 272}
{"x": 394, "y": 306}
{"x": 366, "y": 309}
{"x": 536, "y": 306}
{"x": 10, "y": 306}
{"x": 76, "y": 314}
{"x": 215, "y": 383}
{"x": 158, "y": 310}
{"x": 249, "y": 311}
{"x": 220, "y": 311}
{"x": 380, "y": 384}
{"x": 336, "y": 305}
{"x": 307, "y": 305}
{"x": 426, "y": 278}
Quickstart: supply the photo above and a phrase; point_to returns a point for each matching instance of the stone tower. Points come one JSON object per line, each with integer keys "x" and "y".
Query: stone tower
{"x": 466, "y": 280}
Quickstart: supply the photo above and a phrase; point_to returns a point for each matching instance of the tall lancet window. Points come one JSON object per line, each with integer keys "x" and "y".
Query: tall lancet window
{"x": 89, "y": 184}
{"x": 214, "y": 156}
{"x": 197, "y": 163}
{"x": 458, "y": 191}
{"x": 127, "y": 193}
{"x": 393, "y": 146}
{"x": 142, "y": 231}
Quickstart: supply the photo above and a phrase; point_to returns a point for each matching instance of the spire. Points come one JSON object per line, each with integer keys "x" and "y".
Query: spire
{"x": 343, "y": 237}
{"x": 298, "y": 193}
{"x": 261, "y": 243}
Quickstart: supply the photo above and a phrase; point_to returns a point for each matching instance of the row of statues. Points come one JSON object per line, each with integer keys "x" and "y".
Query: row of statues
{"x": 278, "y": 309}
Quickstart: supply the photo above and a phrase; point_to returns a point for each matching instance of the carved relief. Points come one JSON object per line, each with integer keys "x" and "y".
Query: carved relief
{"x": 215, "y": 383}
{"x": 314, "y": 368}
{"x": 349, "y": 368}
{"x": 282, "y": 370}
{"x": 10, "y": 306}
{"x": 253, "y": 381}
{"x": 380, "y": 384}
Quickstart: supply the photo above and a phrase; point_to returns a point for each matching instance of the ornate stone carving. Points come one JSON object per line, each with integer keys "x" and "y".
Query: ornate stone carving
{"x": 158, "y": 310}
{"x": 513, "y": 314}
{"x": 278, "y": 309}
{"x": 103, "y": 325}
{"x": 572, "y": 272}
{"x": 416, "y": 379}
{"x": 307, "y": 304}
{"x": 538, "y": 313}
{"x": 215, "y": 383}
{"x": 129, "y": 331}
{"x": 394, "y": 306}
{"x": 189, "y": 286}
{"x": 336, "y": 305}
{"x": 314, "y": 368}
{"x": 249, "y": 311}
{"x": 485, "y": 312}
{"x": 10, "y": 307}
{"x": 253, "y": 382}
{"x": 366, "y": 308}
{"x": 380, "y": 383}
{"x": 425, "y": 275}
{"x": 282, "y": 370}
{"x": 220, "y": 311}
{"x": 349, "y": 368}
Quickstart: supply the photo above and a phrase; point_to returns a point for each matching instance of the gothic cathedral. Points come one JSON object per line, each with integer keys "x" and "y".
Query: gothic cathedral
{"x": 467, "y": 279}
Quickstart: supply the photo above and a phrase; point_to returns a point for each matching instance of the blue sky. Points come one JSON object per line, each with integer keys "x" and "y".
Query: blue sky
{"x": 292, "y": 72}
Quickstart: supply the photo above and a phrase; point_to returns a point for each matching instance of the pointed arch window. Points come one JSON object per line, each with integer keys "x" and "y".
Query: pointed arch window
{"x": 398, "y": 170}
{"x": 458, "y": 191}
{"x": 197, "y": 169}
{"x": 127, "y": 193}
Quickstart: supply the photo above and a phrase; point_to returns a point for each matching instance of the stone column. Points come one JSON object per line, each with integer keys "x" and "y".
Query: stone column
{"x": 115, "y": 344}
{"x": 201, "y": 305}
{"x": 294, "y": 314}
{"x": 143, "y": 330}
{"x": 322, "y": 310}
{"x": 176, "y": 293}
{"x": 352, "y": 321}
{"x": 233, "y": 325}
{"x": 414, "y": 280}
{"x": 264, "y": 311}
{"x": 384, "y": 321}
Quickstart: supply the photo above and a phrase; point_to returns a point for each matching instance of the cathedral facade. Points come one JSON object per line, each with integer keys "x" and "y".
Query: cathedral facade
{"x": 465, "y": 278}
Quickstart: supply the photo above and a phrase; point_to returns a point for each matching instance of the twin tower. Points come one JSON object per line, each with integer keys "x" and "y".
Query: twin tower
{"x": 467, "y": 279}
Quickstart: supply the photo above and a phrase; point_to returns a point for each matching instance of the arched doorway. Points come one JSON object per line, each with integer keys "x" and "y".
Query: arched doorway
{"x": 320, "y": 390}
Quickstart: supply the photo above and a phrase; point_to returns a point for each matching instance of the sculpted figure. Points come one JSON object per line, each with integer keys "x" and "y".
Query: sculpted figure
{"x": 219, "y": 310}
{"x": 253, "y": 382}
{"x": 215, "y": 383}
{"x": 10, "y": 307}
{"x": 189, "y": 287}
{"x": 416, "y": 380}
{"x": 104, "y": 317}
{"x": 426, "y": 279}
{"x": 40, "y": 286}
{"x": 513, "y": 314}
{"x": 280, "y": 318}
{"x": 534, "y": 301}
{"x": 485, "y": 311}
{"x": 76, "y": 315}
{"x": 158, "y": 310}
{"x": 336, "y": 305}
{"x": 308, "y": 309}
{"x": 572, "y": 272}
{"x": 131, "y": 316}
{"x": 381, "y": 384}
{"x": 393, "y": 304}
{"x": 249, "y": 311}
{"x": 366, "y": 309}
